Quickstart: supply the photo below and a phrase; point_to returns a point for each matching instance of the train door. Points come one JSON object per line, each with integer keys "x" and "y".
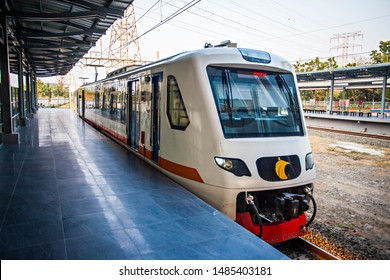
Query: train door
{"x": 156, "y": 86}
{"x": 83, "y": 103}
{"x": 134, "y": 113}
{"x": 78, "y": 102}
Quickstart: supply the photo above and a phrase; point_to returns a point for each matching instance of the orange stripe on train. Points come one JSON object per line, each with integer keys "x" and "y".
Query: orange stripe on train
{"x": 180, "y": 170}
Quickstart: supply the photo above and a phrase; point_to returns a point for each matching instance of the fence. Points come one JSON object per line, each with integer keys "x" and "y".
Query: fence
{"x": 52, "y": 102}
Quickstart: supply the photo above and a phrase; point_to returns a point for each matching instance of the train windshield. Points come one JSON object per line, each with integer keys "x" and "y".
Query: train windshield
{"x": 255, "y": 103}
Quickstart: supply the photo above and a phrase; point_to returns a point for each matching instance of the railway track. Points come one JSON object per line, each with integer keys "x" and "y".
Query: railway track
{"x": 302, "y": 249}
{"x": 320, "y": 253}
{"x": 353, "y": 133}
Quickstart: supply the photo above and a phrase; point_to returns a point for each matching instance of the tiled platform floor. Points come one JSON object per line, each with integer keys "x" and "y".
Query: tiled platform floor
{"x": 68, "y": 192}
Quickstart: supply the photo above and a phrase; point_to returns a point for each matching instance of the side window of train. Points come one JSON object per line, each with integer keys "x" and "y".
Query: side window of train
{"x": 176, "y": 111}
{"x": 97, "y": 97}
{"x": 104, "y": 101}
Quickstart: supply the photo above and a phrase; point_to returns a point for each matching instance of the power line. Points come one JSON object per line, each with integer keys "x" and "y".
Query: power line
{"x": 286, "y": 7}
{"x": 340, "y": 25}
{"x": 260, "y": 16}
{"x": 170, "y": 17}
{"x": 182, "y": 24}
{"x": 175, "y": 14}
{"x": 273, "y": 37}
{"x": 239, "y": 24}
{"x": 138, "y": 19}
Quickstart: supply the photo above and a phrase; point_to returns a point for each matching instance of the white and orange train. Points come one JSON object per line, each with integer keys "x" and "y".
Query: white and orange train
{"x": 225, "y": 123}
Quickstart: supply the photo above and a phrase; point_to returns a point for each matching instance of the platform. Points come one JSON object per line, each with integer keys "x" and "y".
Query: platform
{"x": 69, "y": 192}
{"x": 374, "y": 125}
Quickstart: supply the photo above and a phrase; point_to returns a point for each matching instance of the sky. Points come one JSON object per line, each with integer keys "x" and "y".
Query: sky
{"x": 296, "y": 30}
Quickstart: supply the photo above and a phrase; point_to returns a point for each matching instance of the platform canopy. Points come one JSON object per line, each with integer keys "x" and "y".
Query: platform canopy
{"x": 361, "y": 72}
{"x": 369, "y": 76}
{"x": 54, "y": 34}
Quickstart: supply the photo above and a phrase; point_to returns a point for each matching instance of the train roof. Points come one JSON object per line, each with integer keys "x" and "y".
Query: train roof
{"x": 234, "y": 55}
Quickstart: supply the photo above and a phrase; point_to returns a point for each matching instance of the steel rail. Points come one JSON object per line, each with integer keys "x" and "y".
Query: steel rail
{"x": 320, "y": 253}
{"x": 353, "y": 133}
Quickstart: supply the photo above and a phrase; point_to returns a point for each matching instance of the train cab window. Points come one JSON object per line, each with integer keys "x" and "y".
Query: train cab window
{"x": 253, "y": 103}
{"x": 176, "y": 111}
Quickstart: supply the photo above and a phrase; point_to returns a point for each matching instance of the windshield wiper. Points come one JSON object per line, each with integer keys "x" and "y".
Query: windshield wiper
{"x": 283, "y": 85}
{"x": 227, "y": 89}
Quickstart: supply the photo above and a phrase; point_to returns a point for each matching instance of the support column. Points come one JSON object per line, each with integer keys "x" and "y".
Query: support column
{"x": 34, "y": 87}
{"x": 22, "y": 109}
{"x": 8, "y": 136}
{"x": 384, "y": 93}
{"x": 28, "y": 93}
{"x": 331, "y": 94}
{"x": 32, "y": 93}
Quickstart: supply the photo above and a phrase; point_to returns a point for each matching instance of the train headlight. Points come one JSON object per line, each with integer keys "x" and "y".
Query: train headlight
{"x": 309, "y": 161}
{"x": 236, "y": 166}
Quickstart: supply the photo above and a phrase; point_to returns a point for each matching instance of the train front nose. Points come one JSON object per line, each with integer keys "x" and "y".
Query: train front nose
{"x": 276, "y": 215}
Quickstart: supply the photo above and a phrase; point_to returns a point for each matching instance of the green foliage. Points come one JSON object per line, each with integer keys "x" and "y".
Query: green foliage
{"x": 383, "y": 55}
{"x": 319, "y": 95}
{"x": 316, "y": 65}
{"x": 363, "y": 94}
{"x": 51, "y": 90}
{"x": 351, "y": 64}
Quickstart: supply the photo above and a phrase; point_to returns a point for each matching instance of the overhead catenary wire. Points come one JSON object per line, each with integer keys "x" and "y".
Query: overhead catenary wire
{"x": 175, "y": 14}
{"x": 238, "y": 26}
{"x": 225, "y": 22}
{"x": 237, "y": 23}
{"x": 138, "y": 19}
{"x": 170, "y": 17}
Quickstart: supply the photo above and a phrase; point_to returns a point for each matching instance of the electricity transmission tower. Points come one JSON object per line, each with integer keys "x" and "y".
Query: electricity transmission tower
{"x": 345, "y": 45}
{"x": 123, "y": 49}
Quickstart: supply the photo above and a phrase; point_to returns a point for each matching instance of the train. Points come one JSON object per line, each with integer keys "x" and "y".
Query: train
{"x": 226, "y": 123}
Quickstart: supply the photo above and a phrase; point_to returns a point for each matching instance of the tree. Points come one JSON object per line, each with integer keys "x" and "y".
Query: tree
{"x": 331, "y": 63}
{"x": 56, "y": 90}
{"x": 316, "y": 65}
{"x": 383, "y": 55}
{"x": 46, "y": 91}
{"x": 351, "y": 64}
{"x": 39, "y": 87}
{"x": 61, "y": 85}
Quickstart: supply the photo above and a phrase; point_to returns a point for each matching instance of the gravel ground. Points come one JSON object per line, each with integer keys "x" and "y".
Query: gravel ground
{"x": 352, "y": 194}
